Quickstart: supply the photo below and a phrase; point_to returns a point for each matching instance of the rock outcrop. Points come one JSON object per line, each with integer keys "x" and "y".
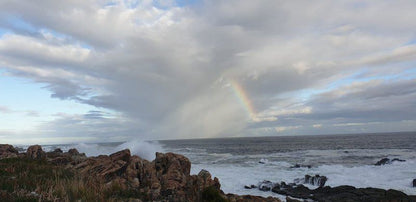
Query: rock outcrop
{"x": 35, "y": 152}
{"x": 8, "y": 151}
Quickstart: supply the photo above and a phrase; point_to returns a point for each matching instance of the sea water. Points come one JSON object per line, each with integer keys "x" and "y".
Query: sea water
{"x": 344, "y": 159}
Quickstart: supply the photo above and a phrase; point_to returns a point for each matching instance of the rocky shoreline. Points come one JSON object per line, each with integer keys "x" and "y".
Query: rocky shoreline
{"x": 36, "y": 175}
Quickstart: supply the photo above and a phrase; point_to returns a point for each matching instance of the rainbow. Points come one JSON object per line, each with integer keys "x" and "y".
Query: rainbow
{"x": 244, "y": 99}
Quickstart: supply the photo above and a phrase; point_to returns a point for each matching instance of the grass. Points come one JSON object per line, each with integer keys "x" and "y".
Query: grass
{"x": 33, "y": 180}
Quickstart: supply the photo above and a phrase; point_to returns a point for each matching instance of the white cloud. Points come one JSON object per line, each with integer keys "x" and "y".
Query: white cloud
{"x": 166, "y": 67}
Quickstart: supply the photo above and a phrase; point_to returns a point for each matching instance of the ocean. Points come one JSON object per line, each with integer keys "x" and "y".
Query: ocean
{"x": 343, "y": 159}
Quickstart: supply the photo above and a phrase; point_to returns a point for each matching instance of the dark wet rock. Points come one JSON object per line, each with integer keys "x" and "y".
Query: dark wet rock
{"x": 266, "y": 185}
{"x": 263, "y": 161}
{"x": 237, "y": 198}
{"x": 316, "y": 180}
{"x": 385, "y": 161}
{"x": 344, "y": 193}
{"x": 414, "y": 182}
{"x": 250, "y": 186}
{"x": 298, "y": 191}
{"x": 399, "y": 160}
{"x": 35, "y": 152}
{"x": 8, "y": 151}
{"x": 301, "y": 166}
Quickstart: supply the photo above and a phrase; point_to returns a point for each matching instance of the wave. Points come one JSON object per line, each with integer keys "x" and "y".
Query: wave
{"x": 144, "y": 149}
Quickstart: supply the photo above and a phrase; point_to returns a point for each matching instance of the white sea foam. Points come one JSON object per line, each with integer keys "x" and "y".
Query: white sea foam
{"x": 144, "y": 149}
{"x": 397, "y": 175}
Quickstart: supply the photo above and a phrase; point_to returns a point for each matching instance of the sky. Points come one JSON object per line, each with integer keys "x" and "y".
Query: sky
{"x": 120, "y": 70}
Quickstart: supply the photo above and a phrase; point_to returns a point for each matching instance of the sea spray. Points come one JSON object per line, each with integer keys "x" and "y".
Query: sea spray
{"x": 144, "y": 149}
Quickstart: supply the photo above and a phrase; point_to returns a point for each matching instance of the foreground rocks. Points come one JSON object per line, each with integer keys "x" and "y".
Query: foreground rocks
{"x": 8, "y": 151}
{"x": 128, "y": 177}
{"x": 299, "y": 192}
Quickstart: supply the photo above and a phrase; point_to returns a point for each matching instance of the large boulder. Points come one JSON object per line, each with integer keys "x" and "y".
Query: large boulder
{"x": 8, "y": 151}
{"x": 35, "y": 152}
{"x": 105, "y": 167}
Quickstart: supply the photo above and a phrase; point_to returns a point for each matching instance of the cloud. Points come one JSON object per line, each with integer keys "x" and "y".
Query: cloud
{"x": 168, "y": 66}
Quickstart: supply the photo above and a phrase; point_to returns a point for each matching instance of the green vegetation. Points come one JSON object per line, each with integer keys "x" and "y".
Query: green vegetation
{"x": 210, "y": 194}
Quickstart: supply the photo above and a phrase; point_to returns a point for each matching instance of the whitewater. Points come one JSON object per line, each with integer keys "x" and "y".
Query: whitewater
{"x": 343, "y": 159}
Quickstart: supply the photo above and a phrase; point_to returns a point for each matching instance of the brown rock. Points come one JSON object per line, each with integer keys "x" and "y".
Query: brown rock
{"x": 106, "y": 167}
{"x": 73, "y": 152}
{"x": 35, "y": 152}
{"x": 58, "y": 150}
{"x": 171, "y": 161}
{"x": 123, "y": 155}
{"x": 8, "y": 151}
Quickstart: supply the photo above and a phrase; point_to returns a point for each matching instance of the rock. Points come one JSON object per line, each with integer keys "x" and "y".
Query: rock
{"x": 35, "y": 152}
{"x": 266, "y": 185}
{"x": 316, "y": 180}
{"x": 263, "y": 161}
{"x": 288, "y": 199}
{"x": 243, "y": 198}
{"x": 73, "y": 152}
{"x": 76, "y": 156}
{"x": 250, "y": 186}
{"x": 385, "y": 161}
{"x": 414, "y": 182}
{"x": 58, "y": 151}
{"x": 301, "y": 166}
{"x": 8, "y": 151}
{"x": 123, "y": 155}
{"x": 343, "y": 193}
{"x": 399, "y": 160}
{"x": 106, "y": 167}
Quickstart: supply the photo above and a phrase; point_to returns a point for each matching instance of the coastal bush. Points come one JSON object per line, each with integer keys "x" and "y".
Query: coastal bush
{"x": 211, "y": 194}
